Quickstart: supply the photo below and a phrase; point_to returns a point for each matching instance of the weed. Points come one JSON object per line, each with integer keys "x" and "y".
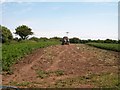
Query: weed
{"x": 59, "y": 72}
{"x": 23, "y": 84}
{"x": 104, "y": 80}
{"x": 42, "y": 74}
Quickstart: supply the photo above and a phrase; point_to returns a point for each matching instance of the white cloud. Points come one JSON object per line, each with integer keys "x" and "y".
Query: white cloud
{"x": 2, "y": 1}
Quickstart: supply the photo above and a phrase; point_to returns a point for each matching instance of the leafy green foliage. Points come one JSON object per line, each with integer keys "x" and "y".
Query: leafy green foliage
{"x": 56, "y": 38}
{"x": 74, "y": 40}
{"x": 23, "y": 31}
{"x": 34, "y": 39}
{"x": 5, "y": 34}
{"x": 108, "y": 46}
{"x": 110, "y": 41}
{"x": 13, "y": 52}
{"x": 43, "y": 39}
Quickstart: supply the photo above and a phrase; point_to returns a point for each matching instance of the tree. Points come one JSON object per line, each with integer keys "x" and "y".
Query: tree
{"x": 108, "y": 41}
{"x": 118, "y": 41}
{"x": 43, "y": 38}
{"x": 34, "y": 39}
{"x": 84, "y": 41}
{"x": 5, "y": 34}
{"x": 56, "y": 38}
{"x": 23, "y": 31}
{"x": 74, "y": 40}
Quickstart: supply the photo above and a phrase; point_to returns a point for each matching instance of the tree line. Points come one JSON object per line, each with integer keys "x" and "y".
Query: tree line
{"x": 77, "y": 40}
{"x": 24, "y": 32}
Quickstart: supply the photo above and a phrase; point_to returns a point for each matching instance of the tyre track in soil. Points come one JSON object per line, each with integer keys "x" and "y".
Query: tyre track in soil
{"x": 23, "y": 70}
{"x": 73, "y": 59}
{"x": 54, "y": 66}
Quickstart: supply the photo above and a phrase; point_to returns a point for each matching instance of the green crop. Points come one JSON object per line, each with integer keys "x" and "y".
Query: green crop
{"x": 11, "y": 53}
{"x": 108, "y": 46}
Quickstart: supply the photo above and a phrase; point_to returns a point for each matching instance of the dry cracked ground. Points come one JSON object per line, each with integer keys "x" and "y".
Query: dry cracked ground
{"x": 65, "y": 66}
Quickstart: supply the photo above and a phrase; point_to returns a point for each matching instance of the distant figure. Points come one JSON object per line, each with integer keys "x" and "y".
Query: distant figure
{"x": 65, "y": 41}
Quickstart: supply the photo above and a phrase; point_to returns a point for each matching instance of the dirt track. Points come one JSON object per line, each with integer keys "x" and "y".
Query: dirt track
{"x": 72, "y": 60}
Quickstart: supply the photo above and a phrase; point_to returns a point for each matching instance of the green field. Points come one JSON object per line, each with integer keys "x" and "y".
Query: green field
{"x": 11, "y": 53}
{"x": 107, "y": 46}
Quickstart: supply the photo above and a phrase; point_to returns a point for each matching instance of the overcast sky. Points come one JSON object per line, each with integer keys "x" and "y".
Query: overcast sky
{"x": 86, "y": 20}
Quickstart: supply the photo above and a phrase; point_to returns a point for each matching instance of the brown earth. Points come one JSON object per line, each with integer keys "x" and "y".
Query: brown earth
{"x": 50, "y": 66}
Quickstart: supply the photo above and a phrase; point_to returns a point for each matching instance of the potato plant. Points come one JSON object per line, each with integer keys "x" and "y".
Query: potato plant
{"x": 107, "y": 46}
{"x": 14, "y": 52}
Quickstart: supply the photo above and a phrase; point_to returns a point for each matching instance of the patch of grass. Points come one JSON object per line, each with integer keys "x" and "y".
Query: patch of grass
{"x": 59, "y": 72}
{"x": 104, "y": 80}
{"x": 12, "y": 83}
{"x": 20, "y": 84}
{"x": 43, "y": 74}
{"x": 23, "y": 84}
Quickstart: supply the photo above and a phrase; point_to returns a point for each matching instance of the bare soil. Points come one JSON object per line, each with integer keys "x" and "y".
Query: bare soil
{"x": 73, "y": 61}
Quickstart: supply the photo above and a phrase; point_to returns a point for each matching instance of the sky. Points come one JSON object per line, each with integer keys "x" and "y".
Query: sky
{"x": 47, "y": 18}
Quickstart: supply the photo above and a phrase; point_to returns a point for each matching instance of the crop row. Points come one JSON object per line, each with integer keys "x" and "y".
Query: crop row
{"x": 13, "y": 52}
{"x": 107, "y": 46}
